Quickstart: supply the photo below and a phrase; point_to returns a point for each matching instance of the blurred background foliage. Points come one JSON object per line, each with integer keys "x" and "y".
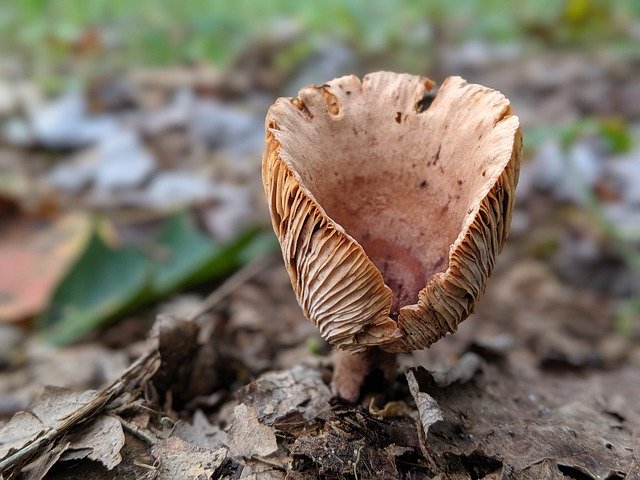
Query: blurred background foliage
{"x": 56, "y": 39}
{"x": 132, "y": 111}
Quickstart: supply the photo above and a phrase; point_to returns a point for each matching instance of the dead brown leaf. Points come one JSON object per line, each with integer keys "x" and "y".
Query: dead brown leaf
{"x": 248, "y": 437}
{"x": 39, "y": 468}
{"x": 275, "y": 468}
{"x": 428, "y": 408}
{"x": 277, "y": 394}
{"x": 201, "y": 433}
{"x": 31, "y": 267}
{"x": 516, "y": 419}
{"x": 101, "y": 441}
{"x": 21, "y": 430}
{"x": 179, "y": 459}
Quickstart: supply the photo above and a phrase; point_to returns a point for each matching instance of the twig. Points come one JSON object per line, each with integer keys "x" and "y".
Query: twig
{"x": 355, "y": 464}
{"x": 269, "y": 462}
{"x": 139, "y": 369}
{"x": 136, "y": 432}
{"x": 231, "y": 284}
{"x": 144, "y": 465}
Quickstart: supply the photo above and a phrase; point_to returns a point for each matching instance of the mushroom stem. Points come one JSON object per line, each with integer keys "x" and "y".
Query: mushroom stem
{"x": 350, "y": 370}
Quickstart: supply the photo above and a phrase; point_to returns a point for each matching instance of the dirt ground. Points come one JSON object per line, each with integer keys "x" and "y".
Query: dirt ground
{"x": 537, "y": 384}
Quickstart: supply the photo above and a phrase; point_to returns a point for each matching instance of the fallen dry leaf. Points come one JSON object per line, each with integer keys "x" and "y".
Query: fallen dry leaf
{"x": 57, "y": 403}
{"x": 461, "y": 372}
{"x": 201, "y": 433}
{"x": 31, "y": 268}
{"x": 247, "y": 436}
{"x": 261, "y": 470}
{"x": 179, "y": 459}
{"x": 101, "y": 441}
{"x": 514, "y": 419}
{"x": 39, "y": 468}
{"x": 21, "y": 430}
{"x": 428, "y": 408}
{"x": 277, "y": 394}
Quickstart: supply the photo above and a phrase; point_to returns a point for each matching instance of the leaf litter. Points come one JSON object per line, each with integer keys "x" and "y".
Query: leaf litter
{"x": 538, "y": 384}
{"x": 478, "y": 417}
{"x": 485, "y": 409}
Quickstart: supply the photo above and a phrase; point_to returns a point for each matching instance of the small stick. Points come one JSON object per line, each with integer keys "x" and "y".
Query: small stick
{"x": 136, "y": 432}
{"x": 231, "y": 284}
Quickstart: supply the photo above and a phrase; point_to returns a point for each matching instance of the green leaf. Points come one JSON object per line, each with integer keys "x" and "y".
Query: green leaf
{"x": 613, "y": 131}
{"x": 616, "y": 134}
{"x": 179, "y": 251}
{"x": 260, "y": 245}
{"x": 187, "y": 257}
{"x": 97, "y": 288}
{"x": 227, "y": 258}
{"x": 537, "y": 135}
{"x": 106, "y": 283}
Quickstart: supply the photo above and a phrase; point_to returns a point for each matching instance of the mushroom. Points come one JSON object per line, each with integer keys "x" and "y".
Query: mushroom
{"x": 390, "y": 204}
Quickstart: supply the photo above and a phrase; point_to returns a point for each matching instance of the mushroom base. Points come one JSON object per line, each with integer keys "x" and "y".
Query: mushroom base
{"x": 351, "y": 370}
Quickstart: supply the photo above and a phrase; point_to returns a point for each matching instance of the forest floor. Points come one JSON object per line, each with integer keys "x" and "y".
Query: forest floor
{"x": 218, "y": 374}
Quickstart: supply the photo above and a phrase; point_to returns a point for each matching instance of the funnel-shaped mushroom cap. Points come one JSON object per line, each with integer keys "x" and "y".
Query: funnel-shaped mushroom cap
{"x": 390, "y": 212}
